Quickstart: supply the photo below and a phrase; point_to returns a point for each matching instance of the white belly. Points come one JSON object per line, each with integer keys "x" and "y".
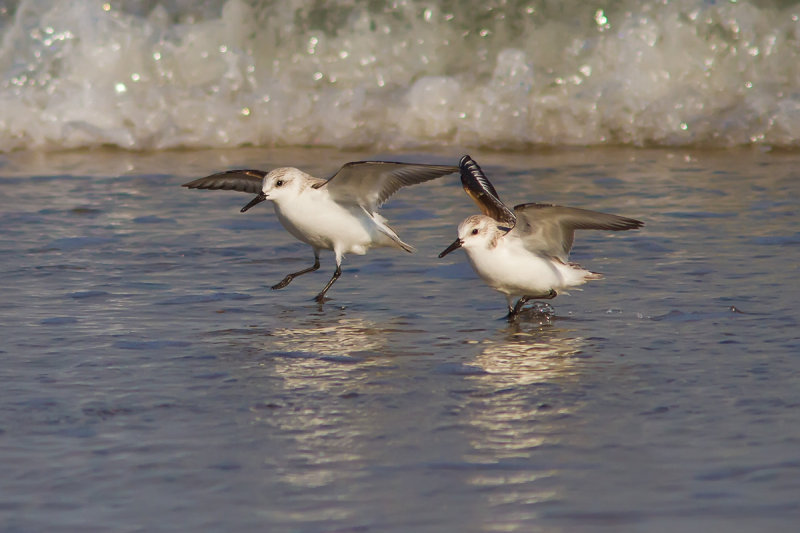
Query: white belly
{"x": 522, "y": 273}
{"x": 327, "y": 225}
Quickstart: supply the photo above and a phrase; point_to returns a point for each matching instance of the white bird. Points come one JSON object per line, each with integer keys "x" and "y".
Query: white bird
{"x": 338, "y": 214}
{"x": 524, "y": 254}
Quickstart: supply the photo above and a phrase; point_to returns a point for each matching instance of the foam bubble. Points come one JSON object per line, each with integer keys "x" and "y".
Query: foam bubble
{"x": 397, "y": 75}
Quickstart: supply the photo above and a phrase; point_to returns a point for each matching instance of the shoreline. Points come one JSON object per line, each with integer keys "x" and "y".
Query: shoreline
{"x": 118, "y": 162}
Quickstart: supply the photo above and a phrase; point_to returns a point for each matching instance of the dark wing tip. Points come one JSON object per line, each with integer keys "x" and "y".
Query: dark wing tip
{"x": 635, "y": 224}
{"x": 244, "y": 180}
{"x": 620, "y": 223}
{"x": 589, "y": 219}
{"x": 194, "y": 184}
{"x": 480, "y": 189}
{"x": 472, "y": 176}
{"x": 624, "y": 224}
{"x": 534, "y": 205}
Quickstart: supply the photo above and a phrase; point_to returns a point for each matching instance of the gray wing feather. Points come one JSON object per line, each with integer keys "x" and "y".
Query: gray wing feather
{"x": 243, "y": 180}
{"x": 550, "y": 229}
{"x": 371, "y": 183}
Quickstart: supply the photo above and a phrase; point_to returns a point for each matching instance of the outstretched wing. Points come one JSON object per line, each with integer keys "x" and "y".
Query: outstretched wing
{"x": 243, "y": 180}
{"x": 550, "y": 229}
{"x": 371, "y": 183}
{"x": 480, "y": 189}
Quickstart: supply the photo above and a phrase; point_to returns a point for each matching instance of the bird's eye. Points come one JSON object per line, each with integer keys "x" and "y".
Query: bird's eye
{"x": 475, "y": 231}
{"x": 279, "y": 183}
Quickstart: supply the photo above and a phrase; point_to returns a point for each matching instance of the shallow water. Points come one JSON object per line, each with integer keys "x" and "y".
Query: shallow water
{"x": 153, "y": 382}
{"x": 400, "y": 75}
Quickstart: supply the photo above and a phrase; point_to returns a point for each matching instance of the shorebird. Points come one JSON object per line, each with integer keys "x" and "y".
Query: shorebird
{"x": 338, "y": 214}
{"x": 524, "y": 253}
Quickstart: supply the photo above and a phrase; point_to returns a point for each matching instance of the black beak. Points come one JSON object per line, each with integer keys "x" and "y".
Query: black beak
{"x": 257, "y": 200}
{"x": 455, "y": 246}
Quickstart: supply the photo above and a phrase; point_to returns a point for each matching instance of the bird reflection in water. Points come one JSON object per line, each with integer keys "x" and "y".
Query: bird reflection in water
{"x": 323, "y": 365}
{"x": 529, "y": 353}
{"x": 522, "y": 403}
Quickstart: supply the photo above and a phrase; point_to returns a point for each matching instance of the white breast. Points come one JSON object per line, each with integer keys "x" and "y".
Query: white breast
{"x": 314, "y": 218}
{"x": 511, "y": 269}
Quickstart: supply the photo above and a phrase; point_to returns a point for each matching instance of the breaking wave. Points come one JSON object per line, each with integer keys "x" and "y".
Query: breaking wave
{"x": 398, "y": 74}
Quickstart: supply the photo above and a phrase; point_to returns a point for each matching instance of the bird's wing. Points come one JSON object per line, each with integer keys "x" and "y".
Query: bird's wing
{"x": 243, "y": 180}
{"x": 550, "y": 229}
{"x": 371, "y": 183}
{"x": 480, "y": 189}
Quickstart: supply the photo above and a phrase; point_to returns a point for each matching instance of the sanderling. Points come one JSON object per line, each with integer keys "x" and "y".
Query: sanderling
{"x": 338, "y": 214}
{"x": 524, "y": 253}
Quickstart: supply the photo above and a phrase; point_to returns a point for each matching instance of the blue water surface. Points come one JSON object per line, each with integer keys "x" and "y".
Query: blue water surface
{"x": 152, "y": 381}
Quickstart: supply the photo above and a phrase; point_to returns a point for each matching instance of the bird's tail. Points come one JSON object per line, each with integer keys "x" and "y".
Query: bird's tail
{"x": 581, "y": 275}
{"x": 405, "y": 246}
{"x": 593, "y": 275}
{"x": 384, "y": 228}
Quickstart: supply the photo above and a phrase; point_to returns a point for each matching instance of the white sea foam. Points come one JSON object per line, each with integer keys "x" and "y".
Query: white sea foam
{"x": 397, "y": 74}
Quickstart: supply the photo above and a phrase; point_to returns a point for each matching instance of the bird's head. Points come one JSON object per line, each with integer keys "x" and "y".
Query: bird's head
{"x": 475, "y": 231}
{"x": 279, "y": 184}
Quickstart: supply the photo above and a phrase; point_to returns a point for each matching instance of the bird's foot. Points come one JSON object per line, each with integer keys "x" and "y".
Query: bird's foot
{"x": 539, "y": 308}
{"x": 284, "y": 282}
{"x": 541, "y": 312}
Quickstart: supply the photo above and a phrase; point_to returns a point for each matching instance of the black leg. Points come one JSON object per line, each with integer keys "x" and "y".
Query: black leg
{"x": 512, "y": 313}
{"x": 288, "y": 279}
{"x": 321, "y": 296}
